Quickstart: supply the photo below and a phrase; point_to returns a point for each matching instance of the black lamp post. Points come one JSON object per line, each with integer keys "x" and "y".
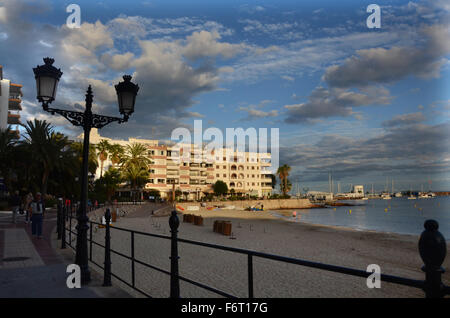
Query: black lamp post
{"x": 47, "y": 79}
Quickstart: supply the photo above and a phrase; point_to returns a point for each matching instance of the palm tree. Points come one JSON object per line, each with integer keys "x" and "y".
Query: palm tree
{"x": 283, "y": 173}
{"x": 44, "y": 146}
{"x": 103, "y": 149}
{"x": 135, "y": 165}
{"x": 135, "y": 154}
{"x": 116, "y": 152}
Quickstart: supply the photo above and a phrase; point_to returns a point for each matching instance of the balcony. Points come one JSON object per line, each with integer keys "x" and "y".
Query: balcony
{"x": 14, "y": 104}
{"x": 13, "y": 119}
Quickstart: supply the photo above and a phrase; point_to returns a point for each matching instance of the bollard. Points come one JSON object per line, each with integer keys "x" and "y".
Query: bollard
{"x": 174, "y": 222}
{"x": 63, "y": 228}
{"x": 432, "y": 249}
{"x": 107, "y": 272}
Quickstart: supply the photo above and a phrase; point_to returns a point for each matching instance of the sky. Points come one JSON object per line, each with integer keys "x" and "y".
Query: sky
{"x": 367, "y": 105}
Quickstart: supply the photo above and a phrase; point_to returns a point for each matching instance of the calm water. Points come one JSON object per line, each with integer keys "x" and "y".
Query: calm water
{"x": 398, "y": 215}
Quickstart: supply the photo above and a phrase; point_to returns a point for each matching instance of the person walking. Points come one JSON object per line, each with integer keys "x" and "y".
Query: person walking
{"x": 15, "y": 204}
{"x": 26, "y": 206}
{"x": 37, "y": 209}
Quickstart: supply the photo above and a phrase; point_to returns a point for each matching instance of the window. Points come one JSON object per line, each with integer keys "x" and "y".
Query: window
{"x": 162, "y": 153}
{"x": 217, "y": 167}
{"x": 224, "y": 167}
{"x": 161, "y": 181}
{"x": 253, "y": 168}
{"x": 217, "y": 175}
{"x": 224, "y": 175}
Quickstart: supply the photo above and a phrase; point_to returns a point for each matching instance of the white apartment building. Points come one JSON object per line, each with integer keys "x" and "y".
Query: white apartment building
{"x": 10, "y": 99}
{"x": 245, "y": 173}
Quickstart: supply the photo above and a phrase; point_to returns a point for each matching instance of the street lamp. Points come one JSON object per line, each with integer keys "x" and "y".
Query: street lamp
{"x": 47, "y": 79}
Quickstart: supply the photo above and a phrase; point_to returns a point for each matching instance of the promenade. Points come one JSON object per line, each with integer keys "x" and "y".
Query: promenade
{"x": 36, "y": 268}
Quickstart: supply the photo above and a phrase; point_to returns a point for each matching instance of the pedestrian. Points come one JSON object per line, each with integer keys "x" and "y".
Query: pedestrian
{"x": 26, "y": 206}
{"x": 37, "y": 209}
{"x": 15, "y": 205}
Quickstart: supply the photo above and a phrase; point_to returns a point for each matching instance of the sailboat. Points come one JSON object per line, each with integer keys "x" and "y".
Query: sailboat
{"x": 411, "y": 196}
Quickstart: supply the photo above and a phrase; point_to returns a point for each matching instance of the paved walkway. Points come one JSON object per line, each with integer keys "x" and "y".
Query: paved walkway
{"x": 32, "y": 267}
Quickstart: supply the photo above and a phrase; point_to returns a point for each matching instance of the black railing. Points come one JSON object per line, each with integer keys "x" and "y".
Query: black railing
{"x": 432, "y": 248}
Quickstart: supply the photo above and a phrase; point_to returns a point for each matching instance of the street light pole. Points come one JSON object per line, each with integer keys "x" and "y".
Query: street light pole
{"x": 81, "y": 256}
{"x": 47, "y": 78}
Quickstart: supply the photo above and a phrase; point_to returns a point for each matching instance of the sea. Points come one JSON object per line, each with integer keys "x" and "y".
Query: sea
{"x": 398, "y": 215}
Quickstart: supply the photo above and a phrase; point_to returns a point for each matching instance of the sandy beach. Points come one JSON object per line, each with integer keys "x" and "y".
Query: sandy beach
{"x": 396, "y": 255}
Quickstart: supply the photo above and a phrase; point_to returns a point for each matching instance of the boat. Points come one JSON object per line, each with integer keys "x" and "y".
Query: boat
{"x": 412, "y": 197}
{"x": 351, "y": 202}
{"x": 398, "y": 194}
{"x": 386, "y": 196}
{"x": 428, "y": 195}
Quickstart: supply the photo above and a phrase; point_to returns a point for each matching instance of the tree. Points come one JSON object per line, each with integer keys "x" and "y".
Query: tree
{"x": 274, "y": 180}
{"x": 106, "y": 186}
{"x": 134, "y": 166}
{"x": 283, "y": 173}
{"x": 116, "y": 152}
{"x": 220, "y": 188}
{"x": 103, "y": 148}
{"x": 44, "y": 145}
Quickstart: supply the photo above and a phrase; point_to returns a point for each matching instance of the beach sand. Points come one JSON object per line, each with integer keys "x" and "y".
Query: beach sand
{"x": 396, "y": 254}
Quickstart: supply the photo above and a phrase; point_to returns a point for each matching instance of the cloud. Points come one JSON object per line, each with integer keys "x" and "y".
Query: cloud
{"x": 204, "y": 44}
{"x": 253, "y": 113}
{"x": 137, "y": 27}
{"x": 288, "y": 78}
{"x": 324, "y": 102}
{"x": 381, "y": 65}
{"x": 405, "y": 119}
{"x": 415, "y": 151}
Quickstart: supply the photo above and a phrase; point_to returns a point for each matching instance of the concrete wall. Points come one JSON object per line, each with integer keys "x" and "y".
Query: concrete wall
{"x": 4, "y": 104}
{"x": 268, "y": 204}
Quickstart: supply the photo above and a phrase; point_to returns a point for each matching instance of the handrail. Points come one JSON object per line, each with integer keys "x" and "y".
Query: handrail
{"x": 432, "y": 284}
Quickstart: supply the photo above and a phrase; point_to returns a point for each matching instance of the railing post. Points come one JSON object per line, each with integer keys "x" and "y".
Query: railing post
{"x": 58, "y": 220}
{"x": 432, "y": 249}
{"x": 70, "y": 230}
{"x": 250, "y": 276}
{"x": 90, "y": 242}
{"x": 133, "y": 276}
{"x": 174, "y": 222}
{"x": 63, "y": 228}
{"x": 107, "y": 272}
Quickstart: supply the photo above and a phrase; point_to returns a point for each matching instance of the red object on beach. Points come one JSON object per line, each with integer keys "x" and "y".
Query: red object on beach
{"x": 226, "y": 228}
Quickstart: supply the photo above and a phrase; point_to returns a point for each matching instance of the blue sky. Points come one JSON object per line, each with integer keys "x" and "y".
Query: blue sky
{"x": 364, "y": 104}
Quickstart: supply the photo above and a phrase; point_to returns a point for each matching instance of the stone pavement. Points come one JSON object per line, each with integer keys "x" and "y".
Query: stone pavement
{"x": 35, "y": 268}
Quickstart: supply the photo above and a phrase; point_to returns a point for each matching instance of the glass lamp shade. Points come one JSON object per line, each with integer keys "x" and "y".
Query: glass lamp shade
{"x": 47, "y": 78}
{"x": 46, "y": 88}
{"x": 126, "y": 95}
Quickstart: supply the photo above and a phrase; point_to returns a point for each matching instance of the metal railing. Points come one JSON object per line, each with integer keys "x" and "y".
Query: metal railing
{"x": 432, "y": 249}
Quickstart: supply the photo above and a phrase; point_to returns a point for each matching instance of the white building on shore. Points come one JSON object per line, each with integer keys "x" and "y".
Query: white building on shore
{"x": 10, "y": 99}
{"x": 245, "y": 173}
